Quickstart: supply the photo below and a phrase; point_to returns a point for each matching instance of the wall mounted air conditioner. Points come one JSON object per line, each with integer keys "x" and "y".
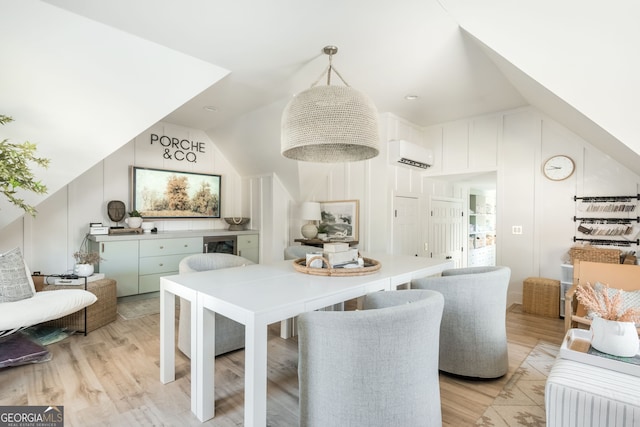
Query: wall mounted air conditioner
{"x": 409, "y": 154}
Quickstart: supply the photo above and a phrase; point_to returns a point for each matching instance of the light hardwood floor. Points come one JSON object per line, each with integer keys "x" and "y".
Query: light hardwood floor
{"x": 111, "y": 377}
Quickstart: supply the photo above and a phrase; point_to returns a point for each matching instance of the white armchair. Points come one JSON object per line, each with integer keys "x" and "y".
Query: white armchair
{"x": 229, "y": 334}
{"x": 299, "y": 251}
{"x": 473, "y": 336}
{"x": 373, "y": 367}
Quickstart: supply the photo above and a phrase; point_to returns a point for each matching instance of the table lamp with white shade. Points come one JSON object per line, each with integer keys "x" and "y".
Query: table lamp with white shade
{"x": 310, "y": 211}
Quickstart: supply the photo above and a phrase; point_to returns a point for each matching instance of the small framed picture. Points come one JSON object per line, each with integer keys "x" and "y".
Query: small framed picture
{"x": 340, "y": 219}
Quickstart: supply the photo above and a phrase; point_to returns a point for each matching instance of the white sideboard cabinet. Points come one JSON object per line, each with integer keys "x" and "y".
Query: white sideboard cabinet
{"x": 248, "y": 247}
{"x": 137, "y": 261}
{"x": 161, "y": 258}
{"x": 119, "y": 261}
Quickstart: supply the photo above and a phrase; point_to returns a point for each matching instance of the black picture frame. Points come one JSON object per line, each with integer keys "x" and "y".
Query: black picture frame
{"x": 162, "y": 193}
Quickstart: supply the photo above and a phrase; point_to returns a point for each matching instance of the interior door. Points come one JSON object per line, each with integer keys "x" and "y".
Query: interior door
{"x": 406, "y": 225}
{"x": 447, "y": 230}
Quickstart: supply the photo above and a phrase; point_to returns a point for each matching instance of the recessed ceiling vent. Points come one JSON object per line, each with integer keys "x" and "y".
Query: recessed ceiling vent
{"x": 409, "y": 154}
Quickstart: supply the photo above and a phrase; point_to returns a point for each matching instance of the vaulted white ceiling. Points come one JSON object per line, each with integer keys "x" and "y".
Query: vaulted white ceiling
{"x": 76, "y": 68}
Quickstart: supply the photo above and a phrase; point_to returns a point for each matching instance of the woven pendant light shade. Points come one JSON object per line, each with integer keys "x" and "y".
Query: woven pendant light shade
{"x": 330, "y": 124}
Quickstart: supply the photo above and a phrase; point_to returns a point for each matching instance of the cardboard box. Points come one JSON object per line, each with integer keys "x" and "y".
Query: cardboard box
{"x": 335, "y": 247}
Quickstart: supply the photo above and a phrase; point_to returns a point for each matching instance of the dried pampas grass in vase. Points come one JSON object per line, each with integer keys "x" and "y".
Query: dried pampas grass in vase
{"x": 603, "y": 305}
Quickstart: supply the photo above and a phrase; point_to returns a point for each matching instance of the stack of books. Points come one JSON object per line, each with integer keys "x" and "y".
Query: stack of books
{"x": 340, "y": 254}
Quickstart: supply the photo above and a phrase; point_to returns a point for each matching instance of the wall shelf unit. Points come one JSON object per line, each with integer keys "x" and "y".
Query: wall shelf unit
{"x": 482, "y": 231}
{"x": 607, "y": 220}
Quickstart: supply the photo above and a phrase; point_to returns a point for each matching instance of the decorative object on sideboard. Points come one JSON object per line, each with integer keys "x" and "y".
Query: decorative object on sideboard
{"x": 116, "y": 211}
{"x": 330, "y": 124}
{"x": 134, "y": 220}
{"x": 147, "y": 226}
{"x": 310, "y": 211}
{"x": 236, "y": 223}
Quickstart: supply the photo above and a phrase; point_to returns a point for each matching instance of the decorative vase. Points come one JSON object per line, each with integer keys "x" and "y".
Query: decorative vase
{"x": 84, "y": 270}
{"x": 236, "y": 223}
{"x": 134, "y": 221}
{"x": 147, "y": 226}
{"x": 309, "y": 230}
{"x": 613, "y": 337}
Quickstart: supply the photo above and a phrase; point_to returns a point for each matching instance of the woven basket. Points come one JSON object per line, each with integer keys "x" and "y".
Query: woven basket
{"x": 541, "y": 296}
{"x": 371, "y": 266}
{"x": 101, "y": 312}
{"x": 593, "y": 254}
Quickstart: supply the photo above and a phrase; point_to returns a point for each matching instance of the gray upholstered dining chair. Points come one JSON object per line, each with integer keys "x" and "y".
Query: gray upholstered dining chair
{"x": 473, "y": 336}
{"x": 299, "y": 251}
{"x": 229, "y": 334}
{"x": 374, "y": 367}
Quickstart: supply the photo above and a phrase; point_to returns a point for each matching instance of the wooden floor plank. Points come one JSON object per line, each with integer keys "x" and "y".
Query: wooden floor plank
{"x": 111, "y": 377}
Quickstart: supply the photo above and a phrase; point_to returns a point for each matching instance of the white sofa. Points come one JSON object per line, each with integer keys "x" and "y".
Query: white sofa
{"x": 32, "y": 307}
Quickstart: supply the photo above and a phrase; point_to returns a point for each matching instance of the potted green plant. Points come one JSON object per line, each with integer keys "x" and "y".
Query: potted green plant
{"x": 134, "y": 220}
{"x": 322, "y": 231}
{"x": 15, "y": 173}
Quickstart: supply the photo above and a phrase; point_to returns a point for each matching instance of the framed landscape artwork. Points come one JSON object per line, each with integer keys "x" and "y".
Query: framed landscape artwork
{"x": 340, "y": 219}
{"x": 158, "y": 193}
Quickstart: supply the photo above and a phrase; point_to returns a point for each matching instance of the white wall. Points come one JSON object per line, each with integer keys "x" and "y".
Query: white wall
{"x": 514, "y": 143}
{"x": 49, "y": 240}
{"x": 523, "y": 139}
{"x": 80, "y": 90}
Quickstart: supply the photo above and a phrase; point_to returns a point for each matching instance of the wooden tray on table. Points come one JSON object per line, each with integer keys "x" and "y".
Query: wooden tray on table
{"x": 370, "y": 267}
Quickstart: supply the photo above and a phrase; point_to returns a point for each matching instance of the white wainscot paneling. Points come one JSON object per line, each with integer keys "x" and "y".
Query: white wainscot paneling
{"x": 455, "y": 146}
{"x": 483, "y": 143}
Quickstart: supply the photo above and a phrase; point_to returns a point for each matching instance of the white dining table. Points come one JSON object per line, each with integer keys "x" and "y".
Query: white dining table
{"x": 256, "y": 296}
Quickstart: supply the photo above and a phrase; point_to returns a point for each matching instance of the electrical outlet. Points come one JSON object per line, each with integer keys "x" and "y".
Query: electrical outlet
{"x": 426, "y": 246}
{"x": 516, "y": 229}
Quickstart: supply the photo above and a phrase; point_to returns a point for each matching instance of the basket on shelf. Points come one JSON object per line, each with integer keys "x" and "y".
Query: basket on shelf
{"x": 371, "y": 266}
{"x": 593, "y": 254}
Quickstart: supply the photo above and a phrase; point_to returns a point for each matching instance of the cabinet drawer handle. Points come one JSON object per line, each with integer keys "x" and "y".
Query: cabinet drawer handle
{"x": 186, "y": 246}
{"x": 161, "y": 247}
{"x": 161, "y": 264}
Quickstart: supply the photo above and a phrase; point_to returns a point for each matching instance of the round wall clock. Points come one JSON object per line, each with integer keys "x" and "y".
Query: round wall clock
{"x": 558, "y": 167}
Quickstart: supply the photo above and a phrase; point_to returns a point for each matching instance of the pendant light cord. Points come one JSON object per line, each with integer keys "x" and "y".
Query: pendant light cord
{"x": 328, "y": 71}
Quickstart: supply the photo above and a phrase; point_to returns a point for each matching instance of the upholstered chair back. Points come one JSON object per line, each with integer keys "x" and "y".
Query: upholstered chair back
{"x": 299, "y": 251}
{"x": 473, "y": 336}
{"x": 373, "y": 367}
{"x": 229, "y": 334}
